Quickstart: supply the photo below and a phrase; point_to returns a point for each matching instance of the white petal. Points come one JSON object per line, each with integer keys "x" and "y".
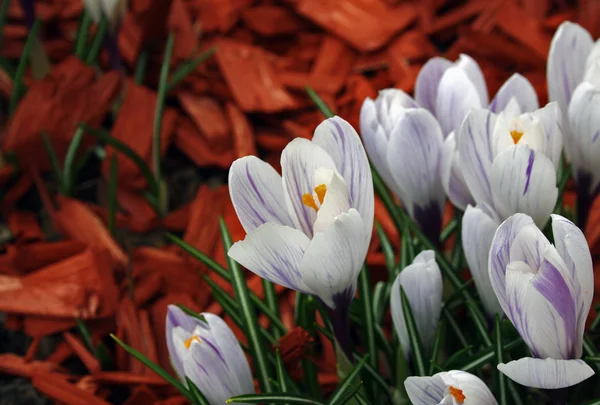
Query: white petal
{"x": 573, "y": 248}
{"x": 546, "y": 373}
{"x": 113, "y": 9}
{"x": 477, "y": 233}
{"x": 336, "y": 202}
{"x": 452, "y": 178}
{"x": 341, "y": 141}
{"x": 231, "y": 352}
{"x": 524, "y": 181}
{"x": 390, "y": 105}
{"x": 529, "y": 246}
{"x": 274, "y": 252}
{"x": 413, "y": 156}
{"x": 516, "y": 88}
{"x": 94, "y": 9}
{"x": 468, "y": 64}
{"x": 476, "y": 149}
{"x": 178, "y": 322}
{"x": 594, "y": 56}
{"x": 500, "y": 253}
{"x": 299, "y": 162}
{"x": 584, "y": 142}
{"x": 457, "y": 96}
{"x": 474, "y": 390}
{"x": 551, "y": 118}
{"x": 425, "y": 390}
{"x": 334, "y": 257}
{"x": 428, "y": 79}
{"x": 569, "y": 51}
{"x": 422, "y": 283}
{"x": 256, "y": 192}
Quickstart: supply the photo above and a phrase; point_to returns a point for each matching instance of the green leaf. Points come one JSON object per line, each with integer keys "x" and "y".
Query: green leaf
{"x": 350, "y": 394}
{"x": 368, "y": 324}
{"x": 156, "y": 368}
{"x": 191, "y": 312}
{"x": 388, "y": 250}
{"x": 182, "y": 71}
{"x": 448, "y": 230}
{"x": 487, "y": 354}
{"x": 304, "y": 316}
{"x": 272, "y": 303}
{"x": 375, "y": 375}
{"x": 271, "y": 398}
{"x": 347, "y": 383}
{"x": 380, "y": 300}
{"x": 160, "y": 106}
{"x": 82, "y": 35}
{"x": 251, "y": 329}
{"x": 68, "y": 168}
{"x": 452, "y": 360}
{"x": 97, "y": 42}
{"x": 112, "y": 193}
{"x": 325, "y": 110}
{"x": 140, "y": 67}
{"x": 413, "y": 335}
{"x": 437, "y": 343}
{"x": 3, "y": 13}
{"x": 87, "y": 336}
{"x": 199, "y": 398}
{"x": 500, "y": 359}
{"x": 18, "y": 85}
{"x": 56, "y": 170}
{"x": 281, "y": 374}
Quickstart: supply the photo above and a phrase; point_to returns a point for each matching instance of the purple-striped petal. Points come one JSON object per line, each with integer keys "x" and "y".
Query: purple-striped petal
{"x": 274, "y": 252}
{"x": 476, "y": 149}
{"x": 551, "y": 118}
{"x": 524, "y": 181}
{"x": 176, "y": 318}
{"x": 518, "y": 88}
{"x": 452, "y": 178}
{"x": 567, "y": 59}
{"x": 425, "y": 390}
{"x": 428, "y": 79}
{"x": 546, "y": 373}
{"x": 256, "y": 191}
{"x": 472, "y": 387}
{"x": 299, "y": 162}
{"x": 341, "y": 142}
{"x": 470, "y": 66}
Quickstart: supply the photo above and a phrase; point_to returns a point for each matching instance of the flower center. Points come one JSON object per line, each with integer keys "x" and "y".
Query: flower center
{"x": 457, "y": 394}
{"x": 309, "y": 200}
{"x": 189, "y": 341}
{"x": 516, "y": 135}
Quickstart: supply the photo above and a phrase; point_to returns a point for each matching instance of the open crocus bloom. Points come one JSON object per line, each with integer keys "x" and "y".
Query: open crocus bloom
{"x": 310, "y": 230}
{"x": 546, "y": 291}
{"x": 449, "y": 388}
{"x": 208, "y": 354}
{"x": 422, "y": 284}
{"x": 509, "y": 162}
{"x": 404, "y": 143}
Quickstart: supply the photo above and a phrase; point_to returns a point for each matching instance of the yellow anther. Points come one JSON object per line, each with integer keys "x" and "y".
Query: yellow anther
{"x": 189, "y": 341}
{"x": 321, "y": 190}
{"x": 457, "y": 394}
{"x": 516, "y": 135}
{"x": 309, "y": 201}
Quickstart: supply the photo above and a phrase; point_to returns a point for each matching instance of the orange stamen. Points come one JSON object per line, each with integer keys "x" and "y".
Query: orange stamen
{"x": 321, "y": 189}
{"x": 516, "y": 135}
{"x": 188, "y": 342}
{"x": 457, "y": 394}
{"x": 309, "y": 201}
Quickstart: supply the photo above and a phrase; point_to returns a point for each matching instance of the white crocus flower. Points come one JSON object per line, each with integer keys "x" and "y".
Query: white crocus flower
{"x": 448, "y": 388}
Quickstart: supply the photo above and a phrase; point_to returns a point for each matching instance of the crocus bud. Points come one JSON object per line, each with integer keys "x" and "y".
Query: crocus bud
{"x": 546, "y": 291}
{"x": 422, "y": 284}
{"x": 113, "y": 10}
{"x": 405, "y": 143}
{"x": 452, "y": 388}
{"x": 208, "y": 353}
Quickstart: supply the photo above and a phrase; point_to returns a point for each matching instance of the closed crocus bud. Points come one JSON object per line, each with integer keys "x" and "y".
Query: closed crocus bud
{"x": 546, "y": 291}
{"x": 448, "y": 388}
{"x": 113, "y": 10}
{"x": 207, "y": 353}
{"x": 451, "y": 175}
{"x": 405, "y": 144}
{"x": 509, "y": 162}
{"x": 310, "y": 230}
{"x": 422, "y": 284}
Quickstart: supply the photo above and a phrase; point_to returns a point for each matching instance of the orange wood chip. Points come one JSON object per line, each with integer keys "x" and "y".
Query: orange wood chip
{"x": 88, "y": 359}
{"x": 24, "y": 226}
{"x": 19, "y": 366}
{"x": 27, "y": 257}
{"x": 243, "y": 133}
{"x": 56, "y": 387}
{"x": 190, "y": 141}
{"x": 271, "y": 20}
{"x": 377, "y": 21}
{"x": 209, "y": 117}
{"x": 217, "y": 15}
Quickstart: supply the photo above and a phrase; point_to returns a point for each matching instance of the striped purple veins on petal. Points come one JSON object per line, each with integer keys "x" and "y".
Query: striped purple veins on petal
{"x": 528, "y": 172}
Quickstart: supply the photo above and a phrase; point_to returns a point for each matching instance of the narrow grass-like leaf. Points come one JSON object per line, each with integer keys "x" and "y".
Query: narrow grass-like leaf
{"x": 590, "y": 350}
{"x": 500, "y": 359}
{"x": 452, "y": 360}
{"x": 97, "y": 42}
{"x": 437, "y": 344}
{"x": 455, "y": 327}
{"x": 160, "y": 106}
{"x": 347, "y": 383}
{"x": 272, "y": 303}
{"x": 324, "y": 108}
{"x": 304, "y": 316}
{"x": 384, "y": 344}
{"x": 413, "y": 335}
{"x": 4, "y": 5}
{"x": 251, "y": 327}
{"x": 350, "y": 393}
{"x": 18, "y": 86}
{"x": 368, "y": 324}
{"x": 199, "y": 398}
{"x": 112, "y": 193}
{"x": 185, "y": 69}
{"x": 374, "y": 374}
{"x": 380, "y": 301}
{"x": 281, "y": 374}
{"x": 127, "y": 151}
{"x": 56, "y": 170}
{"x": 87, "y": 336}
{"x": 68, "y": 176}
{"x": 140, "y": 67}
{"x": 388, "y": 250}
{"x": 272, "y": 399}
{"x": 191, "y": 312}
{"x": 487, "y": 354}
{"x": 82, "y": 35}
{"x": 448, "y": 230}
{"x": 156, "y": 368}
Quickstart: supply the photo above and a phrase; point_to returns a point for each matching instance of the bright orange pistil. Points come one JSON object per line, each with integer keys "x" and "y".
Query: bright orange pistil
{"x": 516, "y": 135}
{"x": 188, "y": 342}
{"x": 309, "y": 200}
{"x": 457, "y": 394}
